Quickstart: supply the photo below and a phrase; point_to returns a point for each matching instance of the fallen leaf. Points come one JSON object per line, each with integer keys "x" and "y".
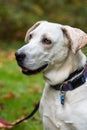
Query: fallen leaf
{"x": 2, "y": 84}
{"x": 9, "y": 95}
{"x": 2, "y": 106}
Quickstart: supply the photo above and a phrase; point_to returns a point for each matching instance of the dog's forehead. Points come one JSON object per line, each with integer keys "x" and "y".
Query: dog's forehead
{"x": 48, "y": 27}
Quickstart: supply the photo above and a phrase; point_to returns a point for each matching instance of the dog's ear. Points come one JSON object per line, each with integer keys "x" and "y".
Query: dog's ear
{"x": 31, "y": 29}
{"x": 77, "y": 38}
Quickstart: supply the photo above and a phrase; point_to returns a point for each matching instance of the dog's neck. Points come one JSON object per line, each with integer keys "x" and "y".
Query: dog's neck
{"x": 57, "y": 73}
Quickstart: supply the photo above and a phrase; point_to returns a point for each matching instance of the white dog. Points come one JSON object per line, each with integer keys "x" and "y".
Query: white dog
{"x": 54, "y": 49}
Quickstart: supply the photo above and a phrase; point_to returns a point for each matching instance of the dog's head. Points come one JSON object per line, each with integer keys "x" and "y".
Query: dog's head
{"x": 48, "y": 44}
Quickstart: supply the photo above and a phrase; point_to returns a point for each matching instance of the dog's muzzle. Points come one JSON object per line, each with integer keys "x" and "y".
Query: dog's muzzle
{"x": 20, "y": 57}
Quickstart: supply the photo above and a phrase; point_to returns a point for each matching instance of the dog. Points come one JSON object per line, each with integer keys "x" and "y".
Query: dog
{"x": 55, "y": 50}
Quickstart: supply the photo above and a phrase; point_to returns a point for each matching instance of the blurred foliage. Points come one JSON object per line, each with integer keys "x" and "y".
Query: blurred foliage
{"x": 16, "y": 16}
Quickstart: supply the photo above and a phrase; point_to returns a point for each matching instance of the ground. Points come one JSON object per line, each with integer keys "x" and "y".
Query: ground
{"x": 18, "y": 93}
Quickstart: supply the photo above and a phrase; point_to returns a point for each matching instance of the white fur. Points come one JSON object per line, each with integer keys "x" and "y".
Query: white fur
{"x": 62, "y": 61}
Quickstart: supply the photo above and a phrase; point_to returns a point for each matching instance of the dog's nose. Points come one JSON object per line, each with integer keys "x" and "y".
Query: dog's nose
{"x": 20, "y": 56}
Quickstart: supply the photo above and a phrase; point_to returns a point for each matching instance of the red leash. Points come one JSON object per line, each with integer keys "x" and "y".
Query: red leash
{"x": 5, "y": 124}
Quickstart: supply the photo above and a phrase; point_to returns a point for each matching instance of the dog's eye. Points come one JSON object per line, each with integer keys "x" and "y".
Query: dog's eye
{"x": 30, "y": 36}
{"x": 46, "y": 41}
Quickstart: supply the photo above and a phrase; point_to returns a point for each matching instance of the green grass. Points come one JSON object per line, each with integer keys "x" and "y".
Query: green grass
{"x": 18, "y": 93}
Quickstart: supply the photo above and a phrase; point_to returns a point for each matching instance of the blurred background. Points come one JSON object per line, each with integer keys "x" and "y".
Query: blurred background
{"x": 16, "y": 16}
{"x": 19, "y": 93}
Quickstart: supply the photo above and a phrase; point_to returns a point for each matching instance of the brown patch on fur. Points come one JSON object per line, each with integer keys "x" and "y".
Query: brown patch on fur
{"x": 84, "y": 39}
{"x": 77, "y": 38}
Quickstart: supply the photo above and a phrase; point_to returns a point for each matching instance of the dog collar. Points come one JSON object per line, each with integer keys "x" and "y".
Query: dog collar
{"x": 71, "y": 83}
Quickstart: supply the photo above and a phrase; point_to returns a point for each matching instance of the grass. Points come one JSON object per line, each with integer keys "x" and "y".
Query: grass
{"x": 18, "y": 93}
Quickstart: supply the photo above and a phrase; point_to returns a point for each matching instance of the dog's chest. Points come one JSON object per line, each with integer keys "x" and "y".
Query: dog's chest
{"x": 55, "y": 116}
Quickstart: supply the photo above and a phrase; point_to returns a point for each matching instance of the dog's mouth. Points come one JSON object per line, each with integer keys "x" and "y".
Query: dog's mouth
{"x": 31, "y": 72}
